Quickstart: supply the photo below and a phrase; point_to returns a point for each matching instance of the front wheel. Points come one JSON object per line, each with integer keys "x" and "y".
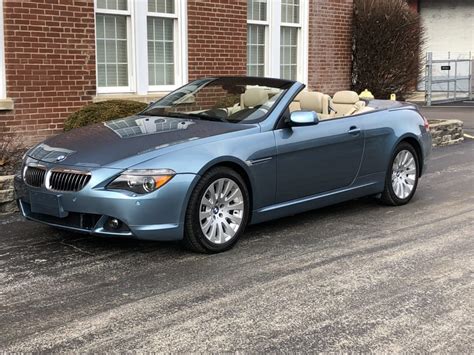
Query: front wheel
{"x": 217, "y": 212}
{"x": 402, "y": 176}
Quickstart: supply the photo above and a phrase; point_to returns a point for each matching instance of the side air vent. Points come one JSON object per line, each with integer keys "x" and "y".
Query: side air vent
{"x": 34, "y": 176}
{"x": 64, "y": 180}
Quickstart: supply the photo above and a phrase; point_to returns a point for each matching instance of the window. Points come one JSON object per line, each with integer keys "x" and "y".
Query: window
{"x": 256, "y": 50}
{"x": 112, "y": 45}
{"x": 2, "y": 57}
{"x": 140, "y": 45}
{"x": 277, "y": 38}
{"x": 161, "y": 24}
{"x": 256, "y": 37}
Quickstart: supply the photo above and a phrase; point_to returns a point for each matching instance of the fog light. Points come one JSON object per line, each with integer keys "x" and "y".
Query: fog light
{"x": 114, "y": 223}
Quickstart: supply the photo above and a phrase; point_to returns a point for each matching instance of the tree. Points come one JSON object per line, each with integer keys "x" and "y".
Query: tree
{"x": 387, "y": 44}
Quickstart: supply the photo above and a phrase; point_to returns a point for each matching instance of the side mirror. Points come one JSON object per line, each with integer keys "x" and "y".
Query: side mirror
{"x": 304, "y": 118}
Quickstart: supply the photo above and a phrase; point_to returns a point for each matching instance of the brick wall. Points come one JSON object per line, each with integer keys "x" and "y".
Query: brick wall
{"x": 50, "y": 54}
{"x": 217, "y": 37}
{"x": 330, "y": 30}
{"x": 50, "y": 64}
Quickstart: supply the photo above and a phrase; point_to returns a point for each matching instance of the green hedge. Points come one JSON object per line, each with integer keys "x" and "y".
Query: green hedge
{"x": 103, "y": 111}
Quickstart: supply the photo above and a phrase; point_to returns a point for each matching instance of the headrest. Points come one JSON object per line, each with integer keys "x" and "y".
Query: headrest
{"x": 345, "y": 97}
{"x": 254, "y": 97}
{"x": 298, "y": 97}
{"x": 312, "y": 101}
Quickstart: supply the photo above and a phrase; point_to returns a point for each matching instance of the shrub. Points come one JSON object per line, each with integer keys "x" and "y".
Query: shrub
{"x": 103, "y": 111}
{"x": 11, "y": 150}
{"x": 387, "y": 46}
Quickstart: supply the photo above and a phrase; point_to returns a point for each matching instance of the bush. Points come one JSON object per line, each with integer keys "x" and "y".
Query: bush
{"x": 11, "y": 150}
{"x": 387, "y": 46}
{"x": 103, "y": 111}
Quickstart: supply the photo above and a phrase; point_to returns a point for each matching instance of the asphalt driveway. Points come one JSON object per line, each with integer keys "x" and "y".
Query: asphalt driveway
{"x": 352, "y": 277}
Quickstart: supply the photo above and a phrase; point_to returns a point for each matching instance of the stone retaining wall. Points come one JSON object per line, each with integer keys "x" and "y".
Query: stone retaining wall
{"x": 446, "y": 132}
{"x": 7, "y": 195}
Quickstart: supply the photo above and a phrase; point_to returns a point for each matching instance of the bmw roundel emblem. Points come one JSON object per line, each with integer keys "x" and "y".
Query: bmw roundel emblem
{"x": 60, "y": 158}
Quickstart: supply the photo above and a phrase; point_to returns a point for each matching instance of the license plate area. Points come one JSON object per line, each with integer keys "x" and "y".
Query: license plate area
{"x": 47, "y": 204}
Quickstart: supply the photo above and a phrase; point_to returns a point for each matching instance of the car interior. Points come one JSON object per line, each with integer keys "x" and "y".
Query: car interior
{"x": 342, "y": 104}
{"x": 255, "y": 101}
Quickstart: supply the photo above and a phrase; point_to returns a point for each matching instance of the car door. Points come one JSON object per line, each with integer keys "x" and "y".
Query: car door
{"x": 318, "y": 158}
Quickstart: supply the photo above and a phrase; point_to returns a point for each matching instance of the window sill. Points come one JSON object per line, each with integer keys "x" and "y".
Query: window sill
{"x": 6, "y": 104}
{"x": 135, "y": 97}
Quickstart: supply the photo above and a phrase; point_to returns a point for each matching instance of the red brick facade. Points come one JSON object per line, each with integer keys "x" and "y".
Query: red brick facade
{"x": 49, "y": 64}
{"x": 50, "y": 54}
{"x": 330, "y": 43}
{"x": 217, "y": 37}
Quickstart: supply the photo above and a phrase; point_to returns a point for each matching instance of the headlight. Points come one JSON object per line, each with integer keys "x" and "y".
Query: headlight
{"x": 142, "y": 181}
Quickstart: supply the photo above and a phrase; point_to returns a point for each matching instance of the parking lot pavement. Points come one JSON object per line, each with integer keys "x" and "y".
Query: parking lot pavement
{"x": 353, "y": 277}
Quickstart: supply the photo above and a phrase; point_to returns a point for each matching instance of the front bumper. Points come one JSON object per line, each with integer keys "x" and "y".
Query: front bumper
{"x": 155, "y": 216}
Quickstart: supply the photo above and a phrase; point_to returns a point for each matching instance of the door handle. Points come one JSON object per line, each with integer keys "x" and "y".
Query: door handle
{"x": 354, "y": 130}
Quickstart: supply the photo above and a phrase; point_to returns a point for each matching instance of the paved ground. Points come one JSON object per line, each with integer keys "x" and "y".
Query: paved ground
{"x": 353, "y": 277}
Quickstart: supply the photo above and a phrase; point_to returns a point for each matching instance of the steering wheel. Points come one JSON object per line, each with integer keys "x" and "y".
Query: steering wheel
{"x": 216, "y": 113}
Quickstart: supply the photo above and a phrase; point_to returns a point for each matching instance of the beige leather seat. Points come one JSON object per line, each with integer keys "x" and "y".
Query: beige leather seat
{"x": 253, "y": 97}
{"x": 346, "y": 103}
{"x": 317, "y": 102}
{"x": 295, "y": 104}
{"x": 312, "y": 101}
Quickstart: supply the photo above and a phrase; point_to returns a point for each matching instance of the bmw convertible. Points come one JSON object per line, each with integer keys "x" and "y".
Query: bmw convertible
{"x": 218, "y": 154}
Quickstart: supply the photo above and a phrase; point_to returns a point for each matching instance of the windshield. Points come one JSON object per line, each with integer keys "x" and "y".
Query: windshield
{"x": 234, "y": 100}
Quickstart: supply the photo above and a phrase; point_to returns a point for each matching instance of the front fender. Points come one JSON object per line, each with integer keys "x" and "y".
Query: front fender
{"x": 253, "y": 154}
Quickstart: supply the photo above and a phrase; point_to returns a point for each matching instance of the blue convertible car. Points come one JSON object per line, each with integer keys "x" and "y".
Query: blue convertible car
{"x": 217, "y": 154}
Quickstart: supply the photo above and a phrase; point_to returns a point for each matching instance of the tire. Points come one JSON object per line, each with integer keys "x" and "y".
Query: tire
{"x": 217, "y": 212}
{"x": 402, "y": 176}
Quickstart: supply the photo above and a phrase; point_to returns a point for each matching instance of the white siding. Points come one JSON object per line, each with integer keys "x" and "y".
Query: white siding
{"x": 449, "y": 25}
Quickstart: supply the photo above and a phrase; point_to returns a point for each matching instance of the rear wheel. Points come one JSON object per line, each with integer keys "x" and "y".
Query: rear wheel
{"x": 402, "y": 176}
{"x": 217, "y": 212}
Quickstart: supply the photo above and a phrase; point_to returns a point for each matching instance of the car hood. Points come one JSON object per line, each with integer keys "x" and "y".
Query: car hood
{"x": 118, "y": 143}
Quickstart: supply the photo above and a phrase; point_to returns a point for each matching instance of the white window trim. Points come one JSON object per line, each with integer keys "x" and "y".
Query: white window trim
{"x": 266, "y": 23}
{"x": 130, "y": 50}
{"x": 273, "y": 40}
{"x": 180, "y": 47}
{"x": 137, "y": 38}
{"x": 3, "y": 86}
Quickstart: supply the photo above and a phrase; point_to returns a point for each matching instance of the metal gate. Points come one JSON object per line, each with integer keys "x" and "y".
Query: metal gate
{"x": 448, "y": 79}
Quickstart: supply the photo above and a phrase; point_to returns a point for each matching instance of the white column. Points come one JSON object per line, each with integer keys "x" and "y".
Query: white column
{"x": 2, "y": 56}
{"x": 274, "y": 38}
{"x": 140, "y": 50}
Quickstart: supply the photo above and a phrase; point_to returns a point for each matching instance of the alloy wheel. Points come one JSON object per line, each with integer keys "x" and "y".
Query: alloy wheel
{"x": 221, "y": 210}
{"x": 403, "y": 174}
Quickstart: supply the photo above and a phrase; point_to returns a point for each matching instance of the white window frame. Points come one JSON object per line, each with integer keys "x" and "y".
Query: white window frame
{"x": 179, "y": 41}
{"x": 267, "y": 36}
{"x": 137, "y": 41}
{"x": 130, "y": 50}
{"x": 3, "y": 85}
{"x": 273, "y": 40}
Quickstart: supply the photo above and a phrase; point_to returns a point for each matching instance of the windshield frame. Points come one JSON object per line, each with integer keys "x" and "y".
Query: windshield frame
{"x": 283, "y": 85}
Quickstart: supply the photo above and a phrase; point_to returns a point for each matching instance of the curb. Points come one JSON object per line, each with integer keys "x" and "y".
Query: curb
{"x": 446, "y": 132}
